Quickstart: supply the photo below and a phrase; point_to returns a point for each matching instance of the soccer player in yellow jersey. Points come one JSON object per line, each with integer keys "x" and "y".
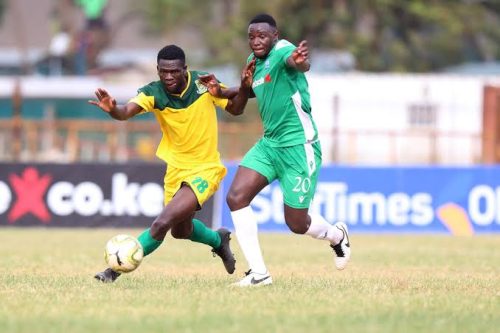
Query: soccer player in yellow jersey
{"x": 185, "y": 107}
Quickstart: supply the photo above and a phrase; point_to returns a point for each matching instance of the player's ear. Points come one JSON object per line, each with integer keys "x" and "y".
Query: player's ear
{"x": 275, "y": 35}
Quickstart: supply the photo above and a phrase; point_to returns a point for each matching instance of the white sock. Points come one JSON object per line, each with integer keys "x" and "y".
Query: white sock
{"x": 321, "y": 229}
{"x": 245, "y": 225}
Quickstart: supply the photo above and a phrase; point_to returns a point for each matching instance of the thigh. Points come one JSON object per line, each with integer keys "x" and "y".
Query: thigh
{"x": 298, "y": 173}
{"x": 259, "y": 159}
{"x": 180, "y": 208}
{"x": 247, "y": 183}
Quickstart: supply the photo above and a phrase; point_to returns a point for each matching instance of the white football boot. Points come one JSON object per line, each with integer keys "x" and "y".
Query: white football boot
{"x": 253, "y": 279}
{"x": 343, "y": 249}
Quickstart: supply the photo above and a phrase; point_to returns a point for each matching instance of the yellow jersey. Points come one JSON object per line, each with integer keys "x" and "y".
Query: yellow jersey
{"x": 188, "y": 122}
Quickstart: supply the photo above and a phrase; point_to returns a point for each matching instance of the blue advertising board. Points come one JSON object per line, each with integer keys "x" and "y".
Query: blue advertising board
{"x": 458, "y": 201}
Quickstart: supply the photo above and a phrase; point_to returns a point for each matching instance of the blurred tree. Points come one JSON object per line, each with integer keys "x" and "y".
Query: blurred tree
{"x": 217, "y": 21}
{"x": 383, "y": 35}
{"x": 2, "y": 9}
{"x": 168, "y": 15}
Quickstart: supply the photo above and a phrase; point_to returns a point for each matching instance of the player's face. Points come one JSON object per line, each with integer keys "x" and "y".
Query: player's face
{"x": 173, "y": 75}
{"x": 261, "y": 38}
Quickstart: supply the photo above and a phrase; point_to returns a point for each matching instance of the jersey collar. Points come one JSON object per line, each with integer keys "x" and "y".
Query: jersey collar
{"x": 188, "y": 84}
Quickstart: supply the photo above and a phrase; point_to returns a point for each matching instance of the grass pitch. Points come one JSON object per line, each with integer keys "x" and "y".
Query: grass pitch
{"x": 392, "y": 284}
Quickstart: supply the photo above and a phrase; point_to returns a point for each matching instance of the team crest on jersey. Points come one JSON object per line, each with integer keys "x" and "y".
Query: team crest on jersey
{"x": 200, "y": 87}
{"x": 266, "y": 64}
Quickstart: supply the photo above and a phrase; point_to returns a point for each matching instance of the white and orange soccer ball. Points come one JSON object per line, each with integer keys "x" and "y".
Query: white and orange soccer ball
{"x": 123, "y": 253}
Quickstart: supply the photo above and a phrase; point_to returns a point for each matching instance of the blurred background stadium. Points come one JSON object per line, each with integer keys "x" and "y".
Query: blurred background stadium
{"x": 394, "y": 84}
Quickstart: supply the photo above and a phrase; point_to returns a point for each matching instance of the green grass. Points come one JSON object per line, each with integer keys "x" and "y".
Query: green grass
{"x": 393, "y": 284}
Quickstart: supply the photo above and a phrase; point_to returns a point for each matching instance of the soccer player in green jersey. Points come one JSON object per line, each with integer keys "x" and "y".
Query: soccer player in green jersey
{"x": 289, "y": 151}
{"x": 185, "y": 107}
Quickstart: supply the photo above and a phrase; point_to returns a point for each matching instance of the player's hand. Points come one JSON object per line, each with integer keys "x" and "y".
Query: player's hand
{"x": 210, "y": 81}
{"x": 104, "y": 100}
{"x": 301, "y": 53}
{"x": 247, "y": 74}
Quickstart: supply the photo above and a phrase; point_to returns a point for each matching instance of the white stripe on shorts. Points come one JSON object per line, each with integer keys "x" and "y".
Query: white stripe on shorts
{"x": 311, "y": 161}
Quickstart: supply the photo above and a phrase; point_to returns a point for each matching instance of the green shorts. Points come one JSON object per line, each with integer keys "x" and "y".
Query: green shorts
{"x": 296, "y": 168}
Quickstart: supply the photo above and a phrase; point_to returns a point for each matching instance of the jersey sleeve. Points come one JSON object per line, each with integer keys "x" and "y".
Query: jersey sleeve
{"x": 220, "y": 102}
{"x": 284, "y": 49}
{"x": 144, "y": 99}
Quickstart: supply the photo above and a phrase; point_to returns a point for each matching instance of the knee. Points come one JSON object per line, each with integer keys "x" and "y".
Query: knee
{"x": 162, "y": 224}
{"x": 159, "y": 226}
{"x": 236, "y": 200}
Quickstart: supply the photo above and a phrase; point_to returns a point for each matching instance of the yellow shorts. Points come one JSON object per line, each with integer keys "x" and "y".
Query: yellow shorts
{"x": 204, "y": 181}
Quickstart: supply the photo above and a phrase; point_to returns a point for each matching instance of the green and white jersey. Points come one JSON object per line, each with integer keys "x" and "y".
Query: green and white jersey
{"x": 283, "y": 99}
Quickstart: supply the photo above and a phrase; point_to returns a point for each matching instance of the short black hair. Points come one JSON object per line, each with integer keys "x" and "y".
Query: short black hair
{"x": 171, "y": 52}
{"x": 264, "y": 18}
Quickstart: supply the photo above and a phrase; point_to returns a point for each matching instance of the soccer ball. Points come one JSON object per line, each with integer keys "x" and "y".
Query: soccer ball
{"x": 123, "y": 253}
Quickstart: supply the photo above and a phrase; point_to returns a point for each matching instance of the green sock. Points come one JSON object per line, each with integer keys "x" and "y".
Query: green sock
{"x": 202, "y": 234}
{"x": 149, "y": 244}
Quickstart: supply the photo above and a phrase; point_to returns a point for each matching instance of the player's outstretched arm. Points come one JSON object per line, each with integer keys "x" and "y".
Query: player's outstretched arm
{"x": 299, "y": 59}
{"x": 237, "y": 96}
{"x": 108, "y": 104}
{"x": 236, "y": 105}
{"x": 215, "y": 89}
